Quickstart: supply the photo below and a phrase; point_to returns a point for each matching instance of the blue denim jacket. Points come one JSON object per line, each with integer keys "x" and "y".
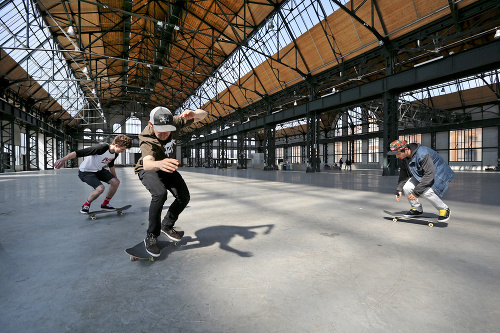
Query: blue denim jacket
{"x": 429, "y": 168}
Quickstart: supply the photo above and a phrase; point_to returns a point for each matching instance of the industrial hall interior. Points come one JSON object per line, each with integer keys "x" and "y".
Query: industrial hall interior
{"x": 249, "y": 166}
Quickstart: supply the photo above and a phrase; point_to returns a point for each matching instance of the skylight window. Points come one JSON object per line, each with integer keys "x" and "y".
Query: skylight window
{"x": 24, "y": 36}
{"x": 299, "y": 15}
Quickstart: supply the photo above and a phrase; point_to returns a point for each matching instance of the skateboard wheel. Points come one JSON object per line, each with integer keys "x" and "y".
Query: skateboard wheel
{"x": 93, "y": 218}
{"x": 151, "y": 259}
{"x": 132, "y": 258}
{"x": 431, "y": 224}
{"x": 395, "y": 220}
{"x": 122, "y": 213}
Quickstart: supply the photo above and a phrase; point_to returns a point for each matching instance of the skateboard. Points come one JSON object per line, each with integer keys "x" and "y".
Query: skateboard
{"x": 138, "y": 251}
{"x": 399, "y": 216}
{"x": 119, "y": 211}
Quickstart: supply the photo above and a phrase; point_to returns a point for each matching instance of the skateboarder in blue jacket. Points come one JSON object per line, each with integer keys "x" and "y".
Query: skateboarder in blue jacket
{"x": 92, "y": 170}
{"x": 423, "y": 172}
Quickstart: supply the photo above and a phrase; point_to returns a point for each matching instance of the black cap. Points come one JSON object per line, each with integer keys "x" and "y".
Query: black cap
{"x": 162, "y": 119}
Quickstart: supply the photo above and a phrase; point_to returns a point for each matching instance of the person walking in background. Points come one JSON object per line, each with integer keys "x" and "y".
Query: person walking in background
{"x": 348, "y": 164}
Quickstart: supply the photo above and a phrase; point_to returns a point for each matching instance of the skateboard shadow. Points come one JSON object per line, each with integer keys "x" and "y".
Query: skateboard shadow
{"x": 222, "y": 235}
{"x": 415, "y": 220}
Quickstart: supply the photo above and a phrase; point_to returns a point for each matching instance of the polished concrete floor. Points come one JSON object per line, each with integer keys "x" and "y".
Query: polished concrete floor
{"x": 264, "y": 251}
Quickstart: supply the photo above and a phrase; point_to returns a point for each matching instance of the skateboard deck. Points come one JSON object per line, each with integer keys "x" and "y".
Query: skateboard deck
{"x": 138, "y": 251}
{"x": 119, "y": 211}
{"x": 428, "y": 219}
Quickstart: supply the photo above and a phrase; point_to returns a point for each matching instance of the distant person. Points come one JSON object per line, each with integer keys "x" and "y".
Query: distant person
{"x": 348, "y": 164}
{"x": 340, "y": 163}
{"x": 92, "y": 170}
{"x": 423, "y": 172}
{"x": 157, "y": 170}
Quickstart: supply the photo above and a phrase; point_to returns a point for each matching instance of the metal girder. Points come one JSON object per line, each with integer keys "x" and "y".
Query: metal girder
{"x": 48, "y": 156}
{"x": 382, "y": 40}
{"x": 209, "y": 151}
{"x": 7, "y": 151}
{"x": 341, "y": 73}
{"x": 222, "y": 153}
{"x": 390, "y": 131}
{"x": 12, "y": 111}
{"x": 242, "y": 150}
{"x": 269, "y": 147}
{"x": 312, "y": 142}
{"x": 470, "y": 62}
{"x": 197, "y": 155}
{"x": 455, "y": 15}
{"x": 32, "y": 148}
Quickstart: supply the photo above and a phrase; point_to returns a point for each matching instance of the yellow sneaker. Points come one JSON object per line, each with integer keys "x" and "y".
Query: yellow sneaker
{"x": 444, "y": 215}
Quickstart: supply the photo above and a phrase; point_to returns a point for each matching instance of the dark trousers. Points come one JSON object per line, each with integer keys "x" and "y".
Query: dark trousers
{"x": 158, "y": 184}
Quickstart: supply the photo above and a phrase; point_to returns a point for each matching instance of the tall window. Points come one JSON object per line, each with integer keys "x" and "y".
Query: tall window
{"x": 87, "y": 137}
{"x": 358, "y": 151}
{"x": 410, "y": 138}
{"x": 21, "y": 150}
{"x": 133, "y": 125}
{"x": 296, "y": 154}
{"x": 338, "y": 127}
{"x": 338, "y": 152}
{"x": 279, "y": 154}
{"x": 373, "y": 149}
{"x": 465, "y": 145}
{"x": 354, "y": 120}
{"x": 372, "y": 123}
{"x": 100, "y": 136}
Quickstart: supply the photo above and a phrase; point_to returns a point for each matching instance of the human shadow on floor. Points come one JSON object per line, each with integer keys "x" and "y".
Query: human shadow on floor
{"x": 223, "y": 234}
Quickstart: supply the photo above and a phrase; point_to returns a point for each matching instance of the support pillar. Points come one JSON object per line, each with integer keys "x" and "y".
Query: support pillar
{"x": 7, "y": 150}
{"x": 269, "y": 147}
{"x": 242, "y": 150}
{"x": 32, "y": 148}
{"x": 390, "y": 132}
{"x": 209, "y": 149}
{"x": 222, "y": 153}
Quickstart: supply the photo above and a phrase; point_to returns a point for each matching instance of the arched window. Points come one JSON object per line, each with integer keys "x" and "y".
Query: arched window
{"x": 133, "y": 125}
{"x": 100, "y": 135}
{"x": 86, "y": 137}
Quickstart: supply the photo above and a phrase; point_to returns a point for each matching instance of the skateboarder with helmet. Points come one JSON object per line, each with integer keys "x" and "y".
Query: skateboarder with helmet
{"x": 423, "y": 172}
{"x": 157, "y": 170}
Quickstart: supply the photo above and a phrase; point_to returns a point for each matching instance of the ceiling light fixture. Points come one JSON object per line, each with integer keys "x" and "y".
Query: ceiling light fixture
{"x": 71, "y": 31}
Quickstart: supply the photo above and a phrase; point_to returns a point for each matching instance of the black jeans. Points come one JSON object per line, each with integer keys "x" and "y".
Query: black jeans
{"x": 158, "y": 184}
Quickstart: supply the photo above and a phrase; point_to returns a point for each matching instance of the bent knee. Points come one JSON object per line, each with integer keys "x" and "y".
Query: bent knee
{"x": 159, "y": 195}
{"x": 100, "y": 189}
{"x": 114, "y": 182}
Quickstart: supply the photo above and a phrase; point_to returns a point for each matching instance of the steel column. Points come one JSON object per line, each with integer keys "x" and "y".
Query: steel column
{"x": 390, "y": 131}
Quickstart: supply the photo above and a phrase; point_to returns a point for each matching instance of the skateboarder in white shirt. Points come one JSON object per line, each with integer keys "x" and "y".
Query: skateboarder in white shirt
{"x": 92, "y": 171}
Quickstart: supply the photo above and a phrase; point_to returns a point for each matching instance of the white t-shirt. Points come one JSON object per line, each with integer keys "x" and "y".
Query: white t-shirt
{"x": 98, "y": 157}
